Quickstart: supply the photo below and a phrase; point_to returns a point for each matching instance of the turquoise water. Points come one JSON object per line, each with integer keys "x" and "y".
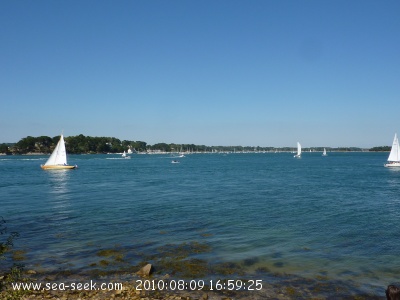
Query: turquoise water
{"x": 336, "y": 216}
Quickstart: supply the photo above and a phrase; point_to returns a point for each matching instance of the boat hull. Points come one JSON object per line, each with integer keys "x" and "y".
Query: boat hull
{"x": 392, "y": 165}
{"x": 57, "y": 167}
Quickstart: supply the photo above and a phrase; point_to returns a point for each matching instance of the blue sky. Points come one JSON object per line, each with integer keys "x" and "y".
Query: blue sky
{"x": 257, "y": 73}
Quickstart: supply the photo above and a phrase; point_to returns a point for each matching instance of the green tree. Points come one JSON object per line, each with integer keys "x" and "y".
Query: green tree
{"x": 161, "y": 146}
{"x": 4, "y": 149}
{"x": 139, "y": 146}
{"x": 380, "y": 148}
{"x": 44, "y": 144}
{"x": 26, "y": 144}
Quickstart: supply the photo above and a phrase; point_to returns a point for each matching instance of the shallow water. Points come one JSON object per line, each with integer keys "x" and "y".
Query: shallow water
{"x": 334, "y": 216}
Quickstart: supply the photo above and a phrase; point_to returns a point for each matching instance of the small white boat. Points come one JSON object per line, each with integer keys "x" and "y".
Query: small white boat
{"x": 394, "y": 156}
{"x": 298, "y": 155}
{"x": 175, "y": 162}
{"x": 125, "y": 156}
{"x": 324, "y": 153}
{"x": 58, "y": 159}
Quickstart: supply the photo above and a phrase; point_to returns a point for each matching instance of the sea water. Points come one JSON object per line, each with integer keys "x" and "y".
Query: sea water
{"x": 335, "y": 216}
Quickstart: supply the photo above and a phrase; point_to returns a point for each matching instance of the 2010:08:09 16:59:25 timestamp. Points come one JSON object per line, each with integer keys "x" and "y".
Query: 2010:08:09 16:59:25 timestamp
{"x": 199, "y": 284}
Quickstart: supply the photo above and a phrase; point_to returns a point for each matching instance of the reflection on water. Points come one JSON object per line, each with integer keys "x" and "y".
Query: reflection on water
{"x": 59, "y": 182}
{"x": 59, "y": 193}
{"x": 391, "y": 199}
{"x": 393, "y": 169}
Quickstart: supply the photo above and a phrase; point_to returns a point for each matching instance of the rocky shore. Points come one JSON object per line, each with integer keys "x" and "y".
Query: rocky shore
{"x": 129, "y": 292}
{"x": 142, "y": 284}
{"x": 283, "y": 289}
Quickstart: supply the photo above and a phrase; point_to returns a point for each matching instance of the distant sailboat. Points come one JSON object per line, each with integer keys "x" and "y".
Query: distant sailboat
{"x": 58, "y": 159}
{"x": 125, "y": 156}
{"x": 298, "y": 155}
{"x": 394, "y": 156}
{"x": 324, "y": 153}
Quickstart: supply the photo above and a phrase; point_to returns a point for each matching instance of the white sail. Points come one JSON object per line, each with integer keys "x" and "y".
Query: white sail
{"x": 395, "y": 151}
{"x": 298, "y": 149}
{"x": 59, "y": 155}
{"x": 324, "y": 153}
{"x": 298, "y": 155}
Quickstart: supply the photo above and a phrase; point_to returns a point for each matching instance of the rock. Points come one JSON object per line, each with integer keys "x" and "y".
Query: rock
{"x": 145, "y": 271}
{"x": 31, "y": 272}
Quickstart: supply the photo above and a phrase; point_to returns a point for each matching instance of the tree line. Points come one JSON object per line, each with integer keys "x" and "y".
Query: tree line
{"x": 81, "y": 144}
{"x": 380, "y": 149}
{"x": 75, "y": 145}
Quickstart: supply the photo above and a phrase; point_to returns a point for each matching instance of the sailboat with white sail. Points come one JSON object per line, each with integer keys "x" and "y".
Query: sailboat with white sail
{"x": 58, "y": 159}
{"x": 324, "y": 153}
{"x": 394, "y": 156}
{"x": 125, "y": 156}
{"x": 298, "y": 155}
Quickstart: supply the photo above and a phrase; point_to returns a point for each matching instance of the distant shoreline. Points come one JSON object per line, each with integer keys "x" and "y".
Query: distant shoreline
{"x": 81, "y": 144}
{"x": 169, "y": 153}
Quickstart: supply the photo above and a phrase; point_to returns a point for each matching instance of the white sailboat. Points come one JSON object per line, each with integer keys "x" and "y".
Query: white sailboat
{"x": 298, "y": 155}
{"x": 125, "y": 156}
{"x": 58, "y": 159}
{"x": 324, "y": 153}
{"x": 394, "y": 156}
